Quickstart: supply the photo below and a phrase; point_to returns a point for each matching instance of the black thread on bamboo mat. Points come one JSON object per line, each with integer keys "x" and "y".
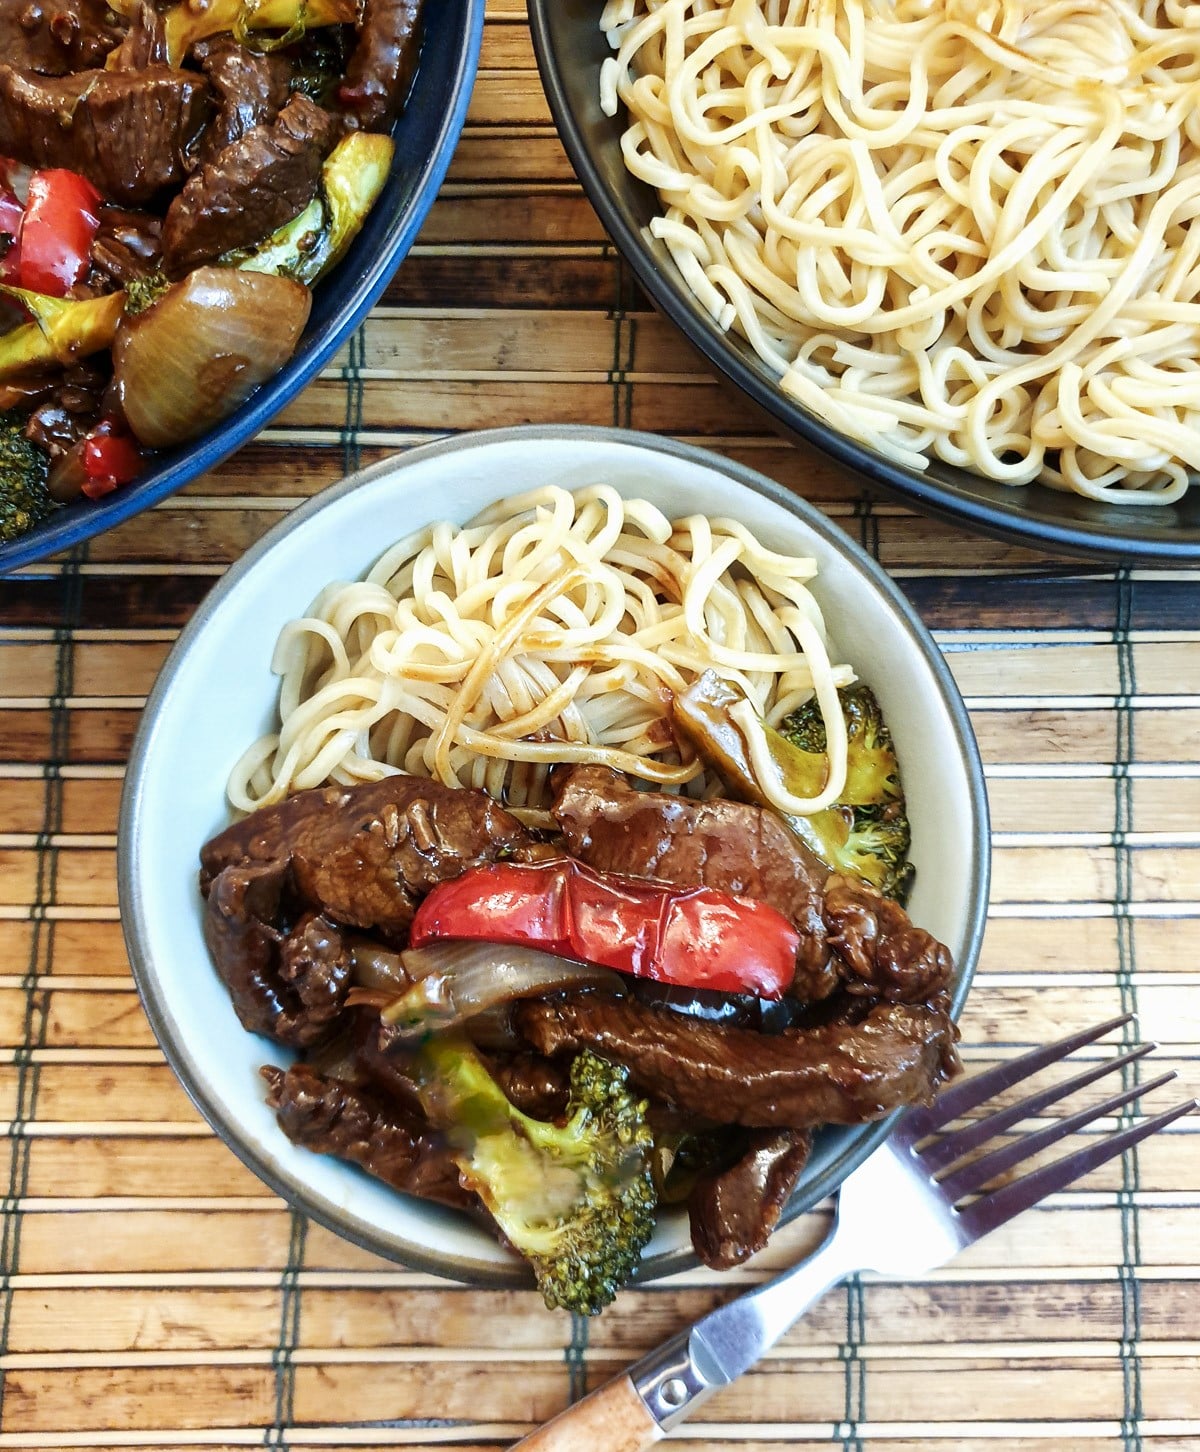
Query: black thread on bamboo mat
{"x": 868, "y": 524}
{"x": 356, "y": 355}
{"x": 1131, "y": 1309}
{"x": 41, "y": 944}
{"x": 854, "y": 1367}
{"x": 289, "y": 1336}
{"x": 573, "y": 1355}
{"x": 624, "y": 341}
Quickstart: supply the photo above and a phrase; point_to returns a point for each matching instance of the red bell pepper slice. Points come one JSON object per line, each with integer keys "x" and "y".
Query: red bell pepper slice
{"x": 110, "y": 459}
{"x": 696, "y": 937}
{"x": 61, "y": 218}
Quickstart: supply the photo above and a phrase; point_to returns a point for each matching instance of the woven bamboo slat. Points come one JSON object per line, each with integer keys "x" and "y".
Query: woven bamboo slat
{"x": 153, "y": 1293}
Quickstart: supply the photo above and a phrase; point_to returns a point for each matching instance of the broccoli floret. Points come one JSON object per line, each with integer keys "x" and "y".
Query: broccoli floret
{"x": 143, "y": 292}
{"x": 24, "y": 498}
{"x": 866, "y": 834}
{"x": 872, "y": 772}
{"x": 575, "y": 1199}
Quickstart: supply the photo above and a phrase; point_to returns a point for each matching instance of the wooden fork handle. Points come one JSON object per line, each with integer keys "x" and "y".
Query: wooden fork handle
{"x": 613, "y": 1418}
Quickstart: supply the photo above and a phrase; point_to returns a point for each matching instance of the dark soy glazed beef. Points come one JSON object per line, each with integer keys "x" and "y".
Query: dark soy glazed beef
{"x": 249, "y": 90}
{"x": 843, "y": 1073}
{"x": 132, "y": 134}
{"x": 340, "y": 857}
{"x": 305, "y": 895}
{"x": 60, "y": 36}
{"x": 252, "y": 186}
{"x": 733, "y": 1209}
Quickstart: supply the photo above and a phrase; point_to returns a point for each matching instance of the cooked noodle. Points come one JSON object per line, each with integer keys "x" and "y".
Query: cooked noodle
{"x": 958, "y": 227}
{"x": 554, "y": 627}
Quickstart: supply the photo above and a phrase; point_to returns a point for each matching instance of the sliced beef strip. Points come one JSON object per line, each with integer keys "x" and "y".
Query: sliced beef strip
{"x": 881, "y": 952}
{"x": 71, "y": 408}
{"x": 849, "y": 934}
{"x": 837, "y": 1074}
{"x": 357, "y": 1124}
{"x": 538, "y": 1087}
{"x": 250, "y": 188}
{"x": 734, "y": 1209}
{"x": 127, "y": 245}
{"x": 130, "y": 133}
{"x": 54, "y": 37}
{"x": 380, "y": 72}
{"x": 365, "y": 855}
{"x": 289, "y": 983}
{"x": 251, "y": 90}
{"x": 722, "y": 844}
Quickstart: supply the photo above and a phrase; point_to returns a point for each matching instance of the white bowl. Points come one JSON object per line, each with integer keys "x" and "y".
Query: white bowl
{"x": 216, "y": 694}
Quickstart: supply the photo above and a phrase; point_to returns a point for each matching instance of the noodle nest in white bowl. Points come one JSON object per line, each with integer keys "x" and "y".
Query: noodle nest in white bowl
{"x": 958, "y": 229}
{"x": 553, "y": 627}
{"x": 217, "y": 695}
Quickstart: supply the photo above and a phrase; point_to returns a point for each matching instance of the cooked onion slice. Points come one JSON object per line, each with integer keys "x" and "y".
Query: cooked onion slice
{"x": 202, "y": 349}
{"x": 378, "y": 969}
{"x": 456, "y": 980}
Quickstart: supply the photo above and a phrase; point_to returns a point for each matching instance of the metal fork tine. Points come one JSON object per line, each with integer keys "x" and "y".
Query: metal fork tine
{"x": 965, "y": 1095}
{"x": 974, "y": 1176}
{"x": 993, "y": 1210}
{"x": 945, "y": 1151}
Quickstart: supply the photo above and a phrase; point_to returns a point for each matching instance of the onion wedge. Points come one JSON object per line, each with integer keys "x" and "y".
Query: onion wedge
{"x": 456, "y": 980}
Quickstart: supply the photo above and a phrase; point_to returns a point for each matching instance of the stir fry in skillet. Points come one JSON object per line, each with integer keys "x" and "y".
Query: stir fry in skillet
{"x": 573, "y": 879}
{"x": 174, "y": 179}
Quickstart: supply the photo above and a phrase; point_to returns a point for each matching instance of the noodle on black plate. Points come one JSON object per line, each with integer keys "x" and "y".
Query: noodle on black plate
{"x": 959, "y": 228}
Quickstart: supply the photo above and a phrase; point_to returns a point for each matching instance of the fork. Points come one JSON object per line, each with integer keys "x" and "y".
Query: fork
{"x": 897, "y": 1214}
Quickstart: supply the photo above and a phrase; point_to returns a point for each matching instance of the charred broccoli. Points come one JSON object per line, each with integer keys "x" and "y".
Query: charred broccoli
{"x": 575, "y": 1199}
{"x": 24, "y": 498}
{"x": 866, "y": 834}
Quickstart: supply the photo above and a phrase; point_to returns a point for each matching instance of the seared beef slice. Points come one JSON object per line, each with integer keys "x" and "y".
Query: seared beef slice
{"x": 365, "y": 855}
{"x": 252, "y": 187}
{"x": 380, "y": 72}
{"x": 288, "y": 982}
{"x": 359, "y": 1125}
{"x": 835, "y": 1074}
{"x": 734, "y": 1210}
{"x": 130, "y": 133}
{"x": 251, "y": 90}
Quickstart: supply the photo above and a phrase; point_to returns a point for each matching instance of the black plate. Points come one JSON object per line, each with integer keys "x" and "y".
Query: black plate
{"x": 570, "y": 48}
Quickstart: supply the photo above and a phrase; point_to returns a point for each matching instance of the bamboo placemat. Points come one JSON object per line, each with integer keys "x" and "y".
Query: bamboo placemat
{"x": 153, "y": 1295}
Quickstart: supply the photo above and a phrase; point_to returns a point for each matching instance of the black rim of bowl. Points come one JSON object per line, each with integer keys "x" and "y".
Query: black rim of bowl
{"x": 454, "y": 35}
{"x": 860, "y": 1141}
{"x": 1033, "y": 515}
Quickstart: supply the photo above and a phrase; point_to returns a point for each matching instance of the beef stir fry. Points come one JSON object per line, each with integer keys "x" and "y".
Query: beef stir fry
{"x": 174, "y": 178}
{"x": 509, "y": 1022}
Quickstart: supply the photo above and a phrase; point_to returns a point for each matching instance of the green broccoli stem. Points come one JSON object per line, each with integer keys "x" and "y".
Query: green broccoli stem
{"x": 185, "y": 24}
{"x": 576, "y": 1199}
{"x": 317, "y": 238}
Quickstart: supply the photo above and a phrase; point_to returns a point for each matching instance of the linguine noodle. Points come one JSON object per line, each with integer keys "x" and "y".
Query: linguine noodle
{"x": 958, "y": 227}
{"x": 552, "y": 628}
